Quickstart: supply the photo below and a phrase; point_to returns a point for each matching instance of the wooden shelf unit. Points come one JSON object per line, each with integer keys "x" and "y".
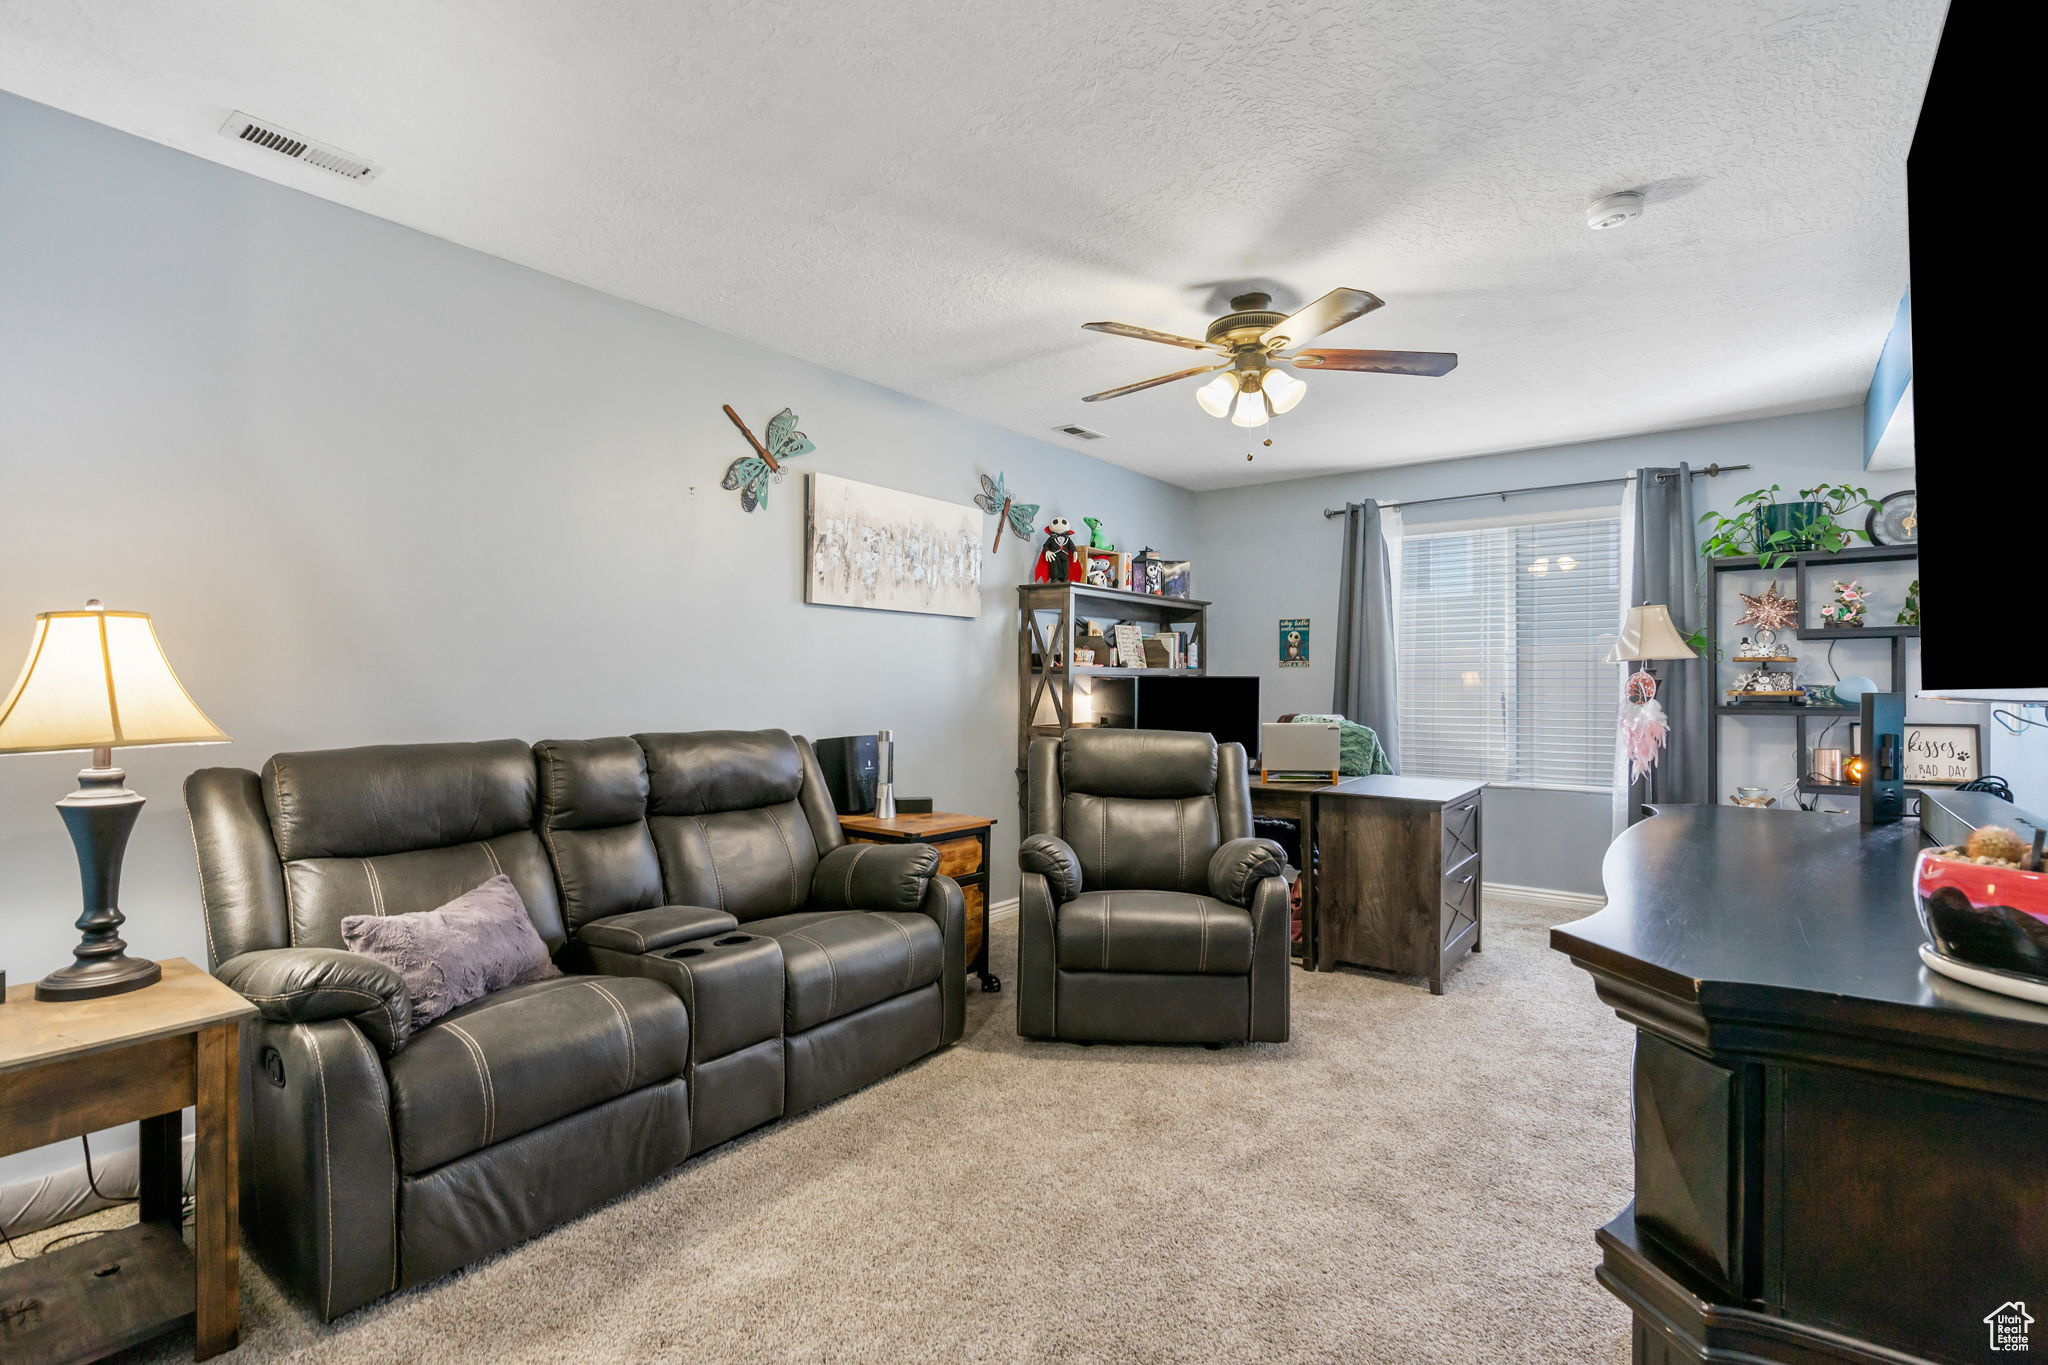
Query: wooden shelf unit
{"x": 1048, "y": 619}
{"x": 1803, "y": 567}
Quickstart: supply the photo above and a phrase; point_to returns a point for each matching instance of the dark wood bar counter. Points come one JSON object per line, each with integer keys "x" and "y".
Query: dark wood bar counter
{"x": 1839, "y": 1155}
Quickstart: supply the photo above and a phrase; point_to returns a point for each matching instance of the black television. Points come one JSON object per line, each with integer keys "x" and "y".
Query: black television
{"x": 1224, "y": 706}
{"x": 1979, "y": 506}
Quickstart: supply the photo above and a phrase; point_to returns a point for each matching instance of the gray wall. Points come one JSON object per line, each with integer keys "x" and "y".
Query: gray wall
{"x": 1266, "y": 552}
{"x": 379, "y": 488}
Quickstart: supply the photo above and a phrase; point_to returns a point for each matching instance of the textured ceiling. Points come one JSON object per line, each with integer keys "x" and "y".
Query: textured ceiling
{"x": 935, "y": 196}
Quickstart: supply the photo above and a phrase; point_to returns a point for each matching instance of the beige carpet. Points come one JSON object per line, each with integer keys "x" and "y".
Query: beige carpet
{"x": 1412, "y": 1179}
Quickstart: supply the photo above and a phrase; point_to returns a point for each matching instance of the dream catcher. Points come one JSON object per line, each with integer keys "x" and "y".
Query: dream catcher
{"x": 1643, "y": 724}
{"x": 996, "y": 499}
{"x": 751, "y": 474}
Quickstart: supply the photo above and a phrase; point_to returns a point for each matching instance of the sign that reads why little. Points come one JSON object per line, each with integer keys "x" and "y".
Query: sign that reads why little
{"x": 1294, "y": 642}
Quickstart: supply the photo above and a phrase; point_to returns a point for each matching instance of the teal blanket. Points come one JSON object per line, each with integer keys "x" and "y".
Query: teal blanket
{"x": 1358, "y": 749}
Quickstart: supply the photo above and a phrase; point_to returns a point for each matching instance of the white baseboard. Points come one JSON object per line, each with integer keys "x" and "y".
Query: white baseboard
{"x": 999, "y": 910}
{"x": 1563, "y": 900}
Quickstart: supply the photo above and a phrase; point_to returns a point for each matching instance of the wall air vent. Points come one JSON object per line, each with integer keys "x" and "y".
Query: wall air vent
{"x": 273, "y": 138}
{"x": 1079, "y": 433}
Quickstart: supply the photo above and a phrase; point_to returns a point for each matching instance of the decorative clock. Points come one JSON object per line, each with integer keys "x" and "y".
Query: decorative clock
{"x": 1895, "y": 520}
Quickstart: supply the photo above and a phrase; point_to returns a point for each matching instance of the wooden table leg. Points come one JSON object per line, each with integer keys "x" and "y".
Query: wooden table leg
{"x": 216, "y": 1191}
{"x": 1308, "y": 883}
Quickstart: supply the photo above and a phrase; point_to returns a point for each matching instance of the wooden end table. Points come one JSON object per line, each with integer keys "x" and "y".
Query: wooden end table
{"x": 69, "y": 1068}
{"x": 962, "y": 842}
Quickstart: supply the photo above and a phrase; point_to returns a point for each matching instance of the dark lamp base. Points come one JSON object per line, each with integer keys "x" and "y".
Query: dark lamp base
{"x": 100, "y": 815}
{"x": 105, "y": 976}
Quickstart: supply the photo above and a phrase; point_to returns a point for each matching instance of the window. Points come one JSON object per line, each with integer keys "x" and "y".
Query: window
{"x": 1502, "y": 629}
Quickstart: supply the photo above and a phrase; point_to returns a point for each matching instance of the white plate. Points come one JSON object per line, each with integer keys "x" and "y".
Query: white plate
{"x": 1985, "y": 978}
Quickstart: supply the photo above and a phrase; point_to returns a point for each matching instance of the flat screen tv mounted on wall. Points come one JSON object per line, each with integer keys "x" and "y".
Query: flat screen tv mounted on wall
{"x": 1976, "y": 470}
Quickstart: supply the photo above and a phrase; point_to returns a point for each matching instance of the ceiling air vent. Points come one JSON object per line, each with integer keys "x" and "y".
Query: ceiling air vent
{"x": 273, "y": 138}
{"x": 1079, "y": 433}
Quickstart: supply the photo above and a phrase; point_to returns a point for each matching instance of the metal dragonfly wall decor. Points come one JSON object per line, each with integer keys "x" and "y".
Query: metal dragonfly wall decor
{"x": 996, "y": 499}
{"x": 751, "y": 474}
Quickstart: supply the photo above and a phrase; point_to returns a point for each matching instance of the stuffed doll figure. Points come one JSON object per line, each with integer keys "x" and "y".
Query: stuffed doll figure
{"x": 1060, "y": 559}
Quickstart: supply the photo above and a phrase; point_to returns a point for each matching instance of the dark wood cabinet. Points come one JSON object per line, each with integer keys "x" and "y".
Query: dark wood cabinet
{"x": 1401, "y": 883}
{"x": 1839, "y": 1156}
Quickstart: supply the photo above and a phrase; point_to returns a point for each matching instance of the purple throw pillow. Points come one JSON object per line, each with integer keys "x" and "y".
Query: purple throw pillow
{"x": 482, "y": 941}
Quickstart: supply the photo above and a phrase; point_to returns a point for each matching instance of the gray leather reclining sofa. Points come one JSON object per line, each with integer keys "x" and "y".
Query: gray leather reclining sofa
{"x": 731, "y": 960}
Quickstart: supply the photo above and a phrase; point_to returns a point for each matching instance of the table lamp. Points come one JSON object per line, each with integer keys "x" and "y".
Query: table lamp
{"x": 1646, "y": 635}
{"x": 97, "y": 679}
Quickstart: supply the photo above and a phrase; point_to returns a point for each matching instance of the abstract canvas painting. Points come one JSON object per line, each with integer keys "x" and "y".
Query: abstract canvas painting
{"x": 891, "y": 551}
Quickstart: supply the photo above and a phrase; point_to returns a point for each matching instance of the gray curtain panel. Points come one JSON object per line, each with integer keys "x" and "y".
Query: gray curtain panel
{"x": 1366, "y": 677}
{"x": 1667, "y": 570}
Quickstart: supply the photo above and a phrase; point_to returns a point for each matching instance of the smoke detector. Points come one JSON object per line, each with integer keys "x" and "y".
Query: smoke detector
{"x": 270, "y": 137}
{"x": 1613, "y": 210}
{"x": 1079, "y": 433}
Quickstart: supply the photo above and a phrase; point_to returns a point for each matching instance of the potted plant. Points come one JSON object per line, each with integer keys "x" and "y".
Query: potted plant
{"x": 1986, "y": 903}
{"x": 1774, "y": 531}
{"x": 1824, "y": 528}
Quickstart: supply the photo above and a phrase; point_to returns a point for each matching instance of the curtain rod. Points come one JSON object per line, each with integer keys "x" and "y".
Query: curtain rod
{"x": 1504, "y": 494}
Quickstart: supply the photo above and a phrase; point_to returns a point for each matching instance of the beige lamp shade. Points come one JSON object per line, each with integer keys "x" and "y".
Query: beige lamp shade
{"x": 1649, "y": 634}
{"x": 98, "y": 679}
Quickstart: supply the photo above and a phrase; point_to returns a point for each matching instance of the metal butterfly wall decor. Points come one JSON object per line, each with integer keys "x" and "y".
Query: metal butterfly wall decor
{"x": 997, "y": 500}
{"x": 751, "y": 474}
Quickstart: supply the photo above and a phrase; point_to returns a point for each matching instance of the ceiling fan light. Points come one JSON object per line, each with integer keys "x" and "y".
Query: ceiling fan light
{"x": 1283, "y": 389}
{"x": 1215, "y": 396}
{"x": 1252, "y": 410}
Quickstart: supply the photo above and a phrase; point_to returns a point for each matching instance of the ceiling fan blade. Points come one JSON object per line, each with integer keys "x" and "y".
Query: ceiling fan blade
{"x": 1333, "y": 309}
{"x": 1153, "y": 383}
{"x": 1125, "y": 329}
{"x": 1377, "y": 362}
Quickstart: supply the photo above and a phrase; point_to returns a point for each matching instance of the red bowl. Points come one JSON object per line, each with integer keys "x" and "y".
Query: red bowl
{"x": 1993, "y": 917}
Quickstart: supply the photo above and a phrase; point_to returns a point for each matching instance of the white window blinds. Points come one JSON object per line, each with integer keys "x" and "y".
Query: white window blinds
{"x": 1502, "y": 629}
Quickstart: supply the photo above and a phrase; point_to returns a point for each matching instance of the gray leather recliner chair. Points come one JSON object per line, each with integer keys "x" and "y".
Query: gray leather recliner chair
{"x": 1149, "y": 913}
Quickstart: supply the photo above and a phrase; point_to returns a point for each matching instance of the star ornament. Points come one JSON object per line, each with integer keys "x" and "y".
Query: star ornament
{"x": 1769, "y": 610}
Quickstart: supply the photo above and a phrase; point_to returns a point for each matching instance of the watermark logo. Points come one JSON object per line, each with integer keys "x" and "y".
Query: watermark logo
{"x": 2008, "y": 1324}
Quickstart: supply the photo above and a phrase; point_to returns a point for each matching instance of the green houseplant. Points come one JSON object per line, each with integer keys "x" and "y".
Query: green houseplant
{"x": 1774, "y": 531}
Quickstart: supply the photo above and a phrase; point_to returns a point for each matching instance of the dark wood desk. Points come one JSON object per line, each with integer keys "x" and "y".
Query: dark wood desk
{"x": 1839, "y": 1156}
{"x": 1403, "y": 891}
{"x": 1397, "y": 887}
{"x": 962, "y": 842}
{"x": 74, "y": 1067}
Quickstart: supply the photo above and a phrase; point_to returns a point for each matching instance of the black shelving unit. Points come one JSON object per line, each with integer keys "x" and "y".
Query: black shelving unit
{"x": 1801, "y": 568}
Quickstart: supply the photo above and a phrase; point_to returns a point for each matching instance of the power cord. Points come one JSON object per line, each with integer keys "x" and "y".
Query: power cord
{"x": 1991, "y": 784}
{"x": 93, "y": 1183}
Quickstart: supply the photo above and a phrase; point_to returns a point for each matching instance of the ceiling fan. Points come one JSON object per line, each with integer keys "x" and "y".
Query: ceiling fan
{"x": 1256, "y": 342}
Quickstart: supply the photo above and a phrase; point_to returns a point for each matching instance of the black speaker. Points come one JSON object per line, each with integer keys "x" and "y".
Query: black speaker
{"x": 851, "y": 764}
